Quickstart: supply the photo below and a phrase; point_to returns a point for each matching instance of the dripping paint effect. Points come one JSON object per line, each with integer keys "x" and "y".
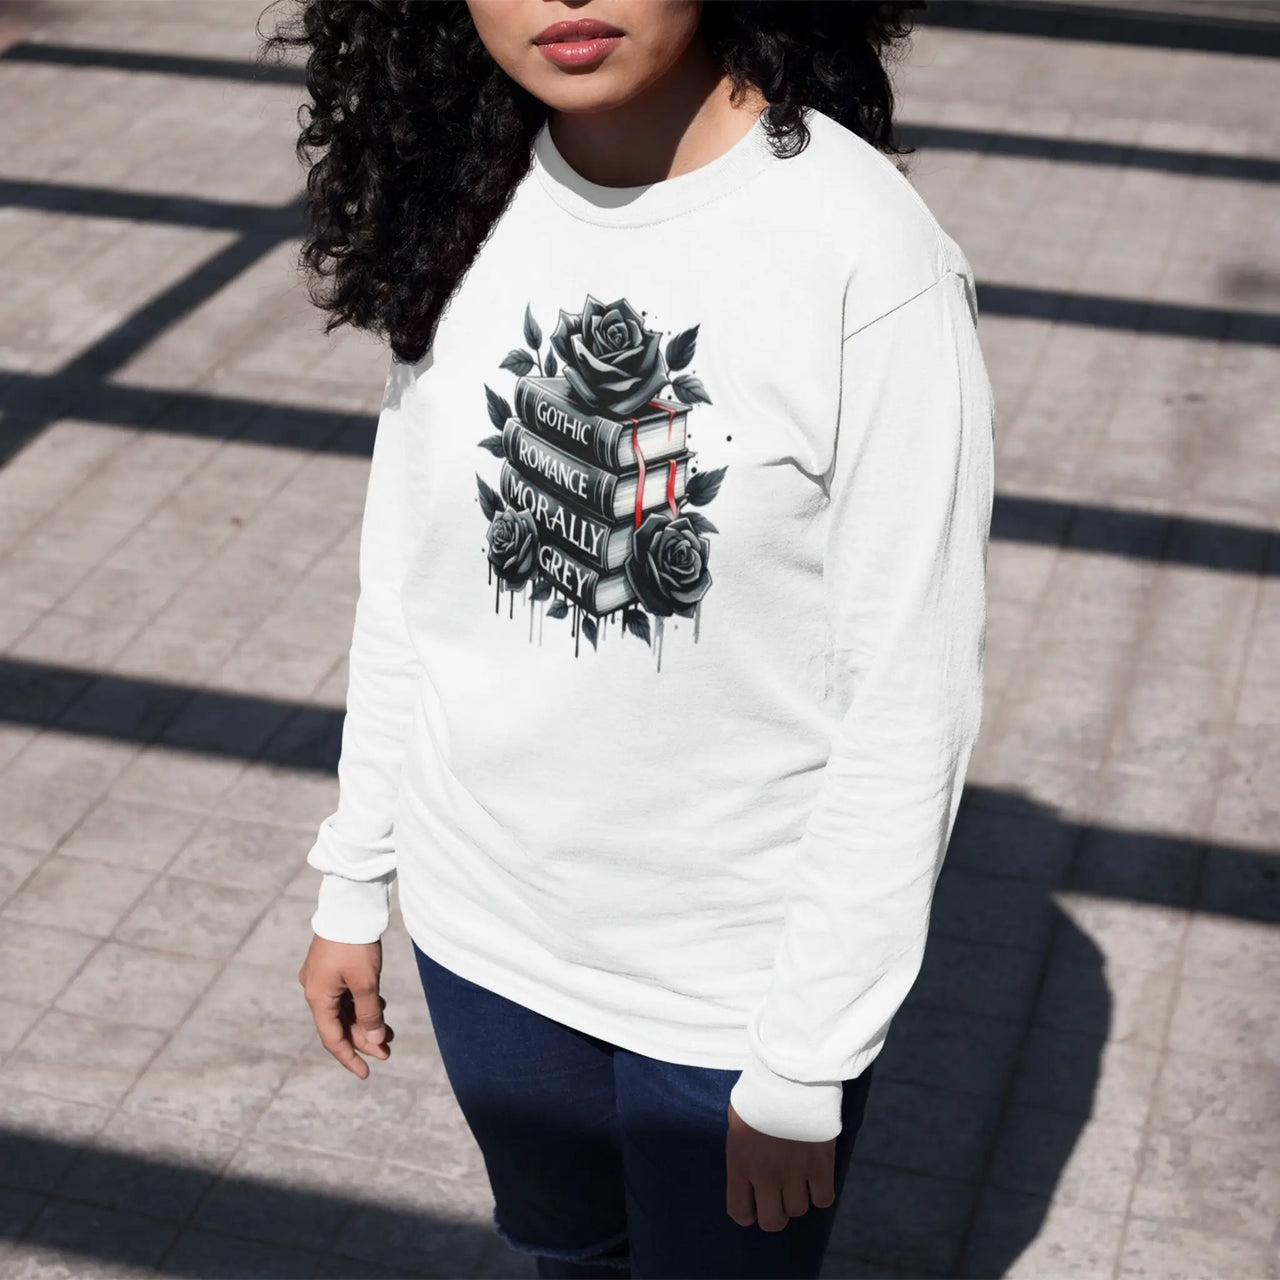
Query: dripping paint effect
{"x": 511, "y": 608}
{"x": 533, "y": 608}
{"x": 657, "y": 648}
{"x": 671, "y": 487}
{"x": 697, "y": 620}
{"x": 577, "y": 629}
{"x": 497, "y": 595}
{"x": 542, "y": 613}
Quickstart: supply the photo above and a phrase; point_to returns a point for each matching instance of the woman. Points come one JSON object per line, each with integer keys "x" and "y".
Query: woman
{"x": 667, "y": 660}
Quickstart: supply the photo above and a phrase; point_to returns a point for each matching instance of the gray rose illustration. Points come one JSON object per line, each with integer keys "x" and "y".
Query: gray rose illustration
{"x": 611, "y": 361}
{"x": 668, "y": 565}
{"x": 513, "y": 546}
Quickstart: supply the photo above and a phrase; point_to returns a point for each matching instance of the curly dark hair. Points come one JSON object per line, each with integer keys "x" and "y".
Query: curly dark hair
{"x": 416, "y": 139}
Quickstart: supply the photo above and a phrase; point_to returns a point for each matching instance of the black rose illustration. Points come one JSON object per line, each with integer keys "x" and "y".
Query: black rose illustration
{"x": 513, "y": 546}
{"x": 668, "y": 565}
{"x": 611, "y": 361}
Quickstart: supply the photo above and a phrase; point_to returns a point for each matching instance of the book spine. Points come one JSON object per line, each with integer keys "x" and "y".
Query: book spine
{"x": 576, "y": 580}
{"x": 555, "y": 418}
{"x": 586, "y": 486}
{"x": 580, "y": 535}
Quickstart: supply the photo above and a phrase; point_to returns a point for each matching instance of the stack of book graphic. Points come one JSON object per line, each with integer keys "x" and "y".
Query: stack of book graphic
{"x": 589, "y": 480}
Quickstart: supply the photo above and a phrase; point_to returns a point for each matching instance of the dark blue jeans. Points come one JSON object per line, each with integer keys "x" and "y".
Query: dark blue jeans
{"x": 604, "y": 1162}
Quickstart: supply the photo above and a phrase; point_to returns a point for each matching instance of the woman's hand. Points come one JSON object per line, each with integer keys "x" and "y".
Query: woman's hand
{"x": 340, "y": 980}
{"x": 772, "y": 1180}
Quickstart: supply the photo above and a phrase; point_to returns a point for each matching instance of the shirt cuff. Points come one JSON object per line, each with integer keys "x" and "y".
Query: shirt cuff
{"x": 352, "y": 910}
{"x": 787, "y": 1108}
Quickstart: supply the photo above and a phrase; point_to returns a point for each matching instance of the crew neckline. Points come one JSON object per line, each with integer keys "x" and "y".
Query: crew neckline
{"x": 653, "y": 201}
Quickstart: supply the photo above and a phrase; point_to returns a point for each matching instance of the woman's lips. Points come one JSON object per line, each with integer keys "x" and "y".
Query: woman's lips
{"x": 577, "y": 43}
{"x": 578, "y": 53}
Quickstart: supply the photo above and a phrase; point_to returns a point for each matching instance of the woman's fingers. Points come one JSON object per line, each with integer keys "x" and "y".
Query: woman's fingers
{"x": 326, "y": 1010}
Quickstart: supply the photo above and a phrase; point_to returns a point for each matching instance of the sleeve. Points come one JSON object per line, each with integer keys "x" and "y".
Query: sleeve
{"x": 910, "y": 493}
{"x": 355, "y": 847}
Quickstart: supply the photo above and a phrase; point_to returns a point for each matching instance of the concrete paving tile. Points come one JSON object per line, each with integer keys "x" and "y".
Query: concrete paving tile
{"x": 266, "y": 997}
{"x": 131, "y": 833}
{"x": 15, "y": 619}
{"x": 943, "y": 1050}
{"x": 217, "y": 1257}
{"x": 317, "y": 1089}
{"x": 250, "y": 855}
{"x": 174, "y": 553}
{"x": 133, "y": 710}
{"x": 996, "y": 910}
{"x": 1241, "y": 953}
{"x": 270, "y": 793}
{"x": 35, "y": 582}
{"x": 62, "y": 535}
{"x": 16, "y": 1019}
{"x": 939, "y": 1132}
{"x": 120, "y": 595}
{"x": 144, "y": 1164}
{"x": 88, "y": 764}
{"x": 81, "y": 1059}
{"x": 435, "y": 1137}
{"x": 41, "y": 1136}
{"x": 1086, "y": 1076}
{"x": 432, "y": 1225}
{"x": 1076, "y": 1160}
{"x": 37, "y": 961}
{"x": 191, "y": 917}
{"x": 1241, "y": 883}
{"x": 964, "y": 977}
{"x": 109, "y": 1237}
{"x": 1206, "y": 1097}
{"x": 904, "y": 1220}
{"x": 1133, "y": 935}
{"x": 169, "y": 654}
{"x": 215, "y": 722}
{"x": 274, "y": 668}
{"x": 143, "y": 988}
{"x": 1125, "y": 1004}
{"x": 1228, "y": 1187}
{"x": 1137, "y": 867}
{"x": 317, "y": 618}
{"x": 210, "y": 1083}
{"x": 1021, "y": 1235}
{"x": 16, "y": 868}
{"x": 287, "y": 1195}
{"x": 17, "y": 1210}
{"x": 1175, "y": 721}
{"x": 90, "y": 897}
{"x": 193, "y": 781}
{"x": 1145, "y": 803}
{"x": 1167, "y": 1250}
{"x": 1236, "y": 1024}
{"x": 282, "y": 936}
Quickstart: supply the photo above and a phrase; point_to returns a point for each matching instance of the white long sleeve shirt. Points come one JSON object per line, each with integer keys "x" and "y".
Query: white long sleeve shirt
{"x": 674, "y": 759}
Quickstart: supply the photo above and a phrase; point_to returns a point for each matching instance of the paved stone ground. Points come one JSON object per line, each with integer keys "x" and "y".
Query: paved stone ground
{"x": 1086, "y": 1080}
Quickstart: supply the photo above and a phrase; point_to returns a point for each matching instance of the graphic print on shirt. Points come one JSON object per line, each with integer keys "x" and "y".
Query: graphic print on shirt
{"x": 593, "y": 515}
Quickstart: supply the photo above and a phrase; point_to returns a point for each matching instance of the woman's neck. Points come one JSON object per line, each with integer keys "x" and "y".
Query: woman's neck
{"x": 681, "y": 121}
